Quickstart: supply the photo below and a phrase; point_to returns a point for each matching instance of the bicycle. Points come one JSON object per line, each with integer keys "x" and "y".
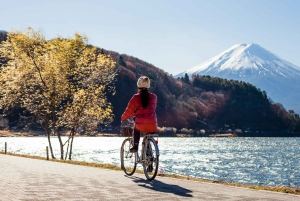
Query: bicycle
{"x": 148, "y": 157}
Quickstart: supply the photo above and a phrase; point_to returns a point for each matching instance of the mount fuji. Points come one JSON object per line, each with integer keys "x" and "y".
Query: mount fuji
{"x": 253, "y": 64}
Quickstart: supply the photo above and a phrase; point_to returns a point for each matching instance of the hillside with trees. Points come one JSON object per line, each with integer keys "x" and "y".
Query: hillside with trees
{"x": 198, "y": 102}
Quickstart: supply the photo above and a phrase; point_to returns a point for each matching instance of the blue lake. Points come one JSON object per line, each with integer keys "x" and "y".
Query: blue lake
{"x": 257, "y": 161}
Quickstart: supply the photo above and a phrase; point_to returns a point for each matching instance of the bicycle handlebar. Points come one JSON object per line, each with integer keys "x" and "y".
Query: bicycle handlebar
{"x": 128, "y": 122}
{"x": 131, "y": 120}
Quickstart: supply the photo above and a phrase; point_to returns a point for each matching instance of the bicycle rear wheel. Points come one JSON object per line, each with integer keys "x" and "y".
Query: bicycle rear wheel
{"x": 151, "y": 159}
{"x": 128, "y": 159}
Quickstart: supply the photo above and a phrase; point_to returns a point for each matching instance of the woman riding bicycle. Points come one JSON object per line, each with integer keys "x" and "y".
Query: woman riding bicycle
{"x": 142, "y": 106}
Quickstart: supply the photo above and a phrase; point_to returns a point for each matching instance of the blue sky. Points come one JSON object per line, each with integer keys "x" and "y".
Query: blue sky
{"x": 170, "y": 34}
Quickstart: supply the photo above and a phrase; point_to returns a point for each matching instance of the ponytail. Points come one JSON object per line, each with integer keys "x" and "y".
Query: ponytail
{"x": 144, "y": 98}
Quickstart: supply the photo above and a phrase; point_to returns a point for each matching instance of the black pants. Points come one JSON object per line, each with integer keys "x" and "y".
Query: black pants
{"x": 136, "y": 136}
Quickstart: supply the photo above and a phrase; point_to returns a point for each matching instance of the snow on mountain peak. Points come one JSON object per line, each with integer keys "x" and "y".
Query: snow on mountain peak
{"x": 258, "y": 66}
{"x": 245, "y": 61}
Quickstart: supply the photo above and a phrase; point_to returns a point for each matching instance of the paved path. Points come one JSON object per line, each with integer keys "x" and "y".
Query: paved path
{"x": 32, "y": 179}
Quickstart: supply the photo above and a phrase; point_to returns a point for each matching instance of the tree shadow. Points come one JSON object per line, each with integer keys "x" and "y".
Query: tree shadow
{"x": 162, "y": 187}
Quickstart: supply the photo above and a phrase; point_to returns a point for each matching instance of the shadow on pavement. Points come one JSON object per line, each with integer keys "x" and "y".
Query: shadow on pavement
{"x": 163, "y": 187}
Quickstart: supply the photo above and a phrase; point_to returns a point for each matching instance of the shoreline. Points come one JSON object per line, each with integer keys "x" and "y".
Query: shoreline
{"x": 281, "y": 189}
{"x": 9, "y": 133}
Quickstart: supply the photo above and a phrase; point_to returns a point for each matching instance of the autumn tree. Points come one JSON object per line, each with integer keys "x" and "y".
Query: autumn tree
{"x": 62, "y": 82}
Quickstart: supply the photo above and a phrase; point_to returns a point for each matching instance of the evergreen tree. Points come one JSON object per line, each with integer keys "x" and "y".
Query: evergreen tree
{"x": 102, "y": 51}
{"x": 186, "y": 78}
{"x": 121, "y": 61}
{"x": 3, "y": 36}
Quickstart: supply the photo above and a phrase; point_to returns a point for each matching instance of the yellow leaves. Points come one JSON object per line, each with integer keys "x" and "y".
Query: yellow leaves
{"x": 81, "y": 38}
{"x": 62, "y": 77}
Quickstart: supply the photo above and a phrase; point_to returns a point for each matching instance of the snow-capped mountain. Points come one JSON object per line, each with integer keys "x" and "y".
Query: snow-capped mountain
{"x": 258, "y": 66}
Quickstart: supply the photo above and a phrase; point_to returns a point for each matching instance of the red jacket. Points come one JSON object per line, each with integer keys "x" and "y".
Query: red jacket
{"x": 145, "y": 118}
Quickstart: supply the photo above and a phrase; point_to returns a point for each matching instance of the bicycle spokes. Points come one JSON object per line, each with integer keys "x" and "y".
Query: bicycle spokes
{"x": 151, "y": 155}
{"x": 128, "y": 159}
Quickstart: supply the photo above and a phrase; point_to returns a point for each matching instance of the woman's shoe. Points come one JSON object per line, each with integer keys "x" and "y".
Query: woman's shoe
{"x": 134, "y": 148}
{"x": 150, "y": 168}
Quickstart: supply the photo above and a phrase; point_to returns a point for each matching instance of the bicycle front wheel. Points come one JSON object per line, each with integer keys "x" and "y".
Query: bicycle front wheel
{"x": 128, "y": 159}
{"x": 150, "y": 162}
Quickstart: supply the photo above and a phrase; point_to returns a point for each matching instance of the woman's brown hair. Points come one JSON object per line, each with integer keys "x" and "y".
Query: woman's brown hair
{"x": 144, "y": 97}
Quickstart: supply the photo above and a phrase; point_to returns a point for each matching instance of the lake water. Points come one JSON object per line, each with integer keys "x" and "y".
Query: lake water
{"x": 257, "y": 161}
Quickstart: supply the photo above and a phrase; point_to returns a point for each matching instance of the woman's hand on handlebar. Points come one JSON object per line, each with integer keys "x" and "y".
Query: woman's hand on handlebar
{"x": 131, "y": 119}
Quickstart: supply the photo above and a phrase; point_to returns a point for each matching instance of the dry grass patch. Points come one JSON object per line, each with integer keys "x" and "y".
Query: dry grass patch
{"x": 281, "y": 189}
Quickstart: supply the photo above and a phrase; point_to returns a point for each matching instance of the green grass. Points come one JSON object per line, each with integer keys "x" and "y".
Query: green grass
{"x": 281, "y": 189}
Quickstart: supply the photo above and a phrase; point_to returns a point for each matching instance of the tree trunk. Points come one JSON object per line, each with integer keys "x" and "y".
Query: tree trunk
{"x": 47, "y": 130}
{"x": 49, "y": 141}
{"x": 61, "y": 145}
{"x": 71, "y": 146}
{"x": 67, "y": 148}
